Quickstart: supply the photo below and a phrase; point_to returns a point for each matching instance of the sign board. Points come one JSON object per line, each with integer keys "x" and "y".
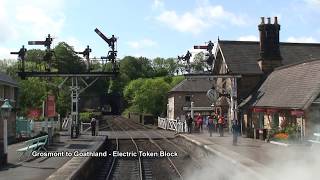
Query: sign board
{"x": 198, "y": 108}
{"x": 50, "y": 106}
{"x": 34, "y": 113}
{"x": 259, "y": 110}
{"x": 297, "y": 113}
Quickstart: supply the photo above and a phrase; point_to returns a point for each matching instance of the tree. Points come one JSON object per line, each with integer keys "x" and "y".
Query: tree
{"x": 66, "y": 59}
{"x": 164, "y": 67}
{"x": 136, "y": 68}
{"x": 150, "y": 95}
{"x": 198, "y": 62}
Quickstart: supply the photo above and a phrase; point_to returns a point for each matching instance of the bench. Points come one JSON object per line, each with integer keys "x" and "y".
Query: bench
{"x": 316, "y": 140}
{"x": 31, "y": 145}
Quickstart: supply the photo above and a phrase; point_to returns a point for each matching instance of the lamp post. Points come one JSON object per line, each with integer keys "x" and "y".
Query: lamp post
{"x": 5, "y": 113}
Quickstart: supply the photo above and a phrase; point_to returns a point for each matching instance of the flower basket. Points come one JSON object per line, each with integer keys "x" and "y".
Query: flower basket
{"x": 281, "y": 136}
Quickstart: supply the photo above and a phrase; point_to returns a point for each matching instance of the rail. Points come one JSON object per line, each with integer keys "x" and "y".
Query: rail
{"x": 172, "y": 124}
{"x": 118, "y": 148}
{"x": 172, "y": 164}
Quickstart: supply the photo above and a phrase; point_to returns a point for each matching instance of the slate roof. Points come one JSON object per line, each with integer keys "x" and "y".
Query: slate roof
{"x": 6, "y": 79}
{"x": 193, "y": 85}
{"x": 289, "y": 87}
{"x": 241, "y": 56}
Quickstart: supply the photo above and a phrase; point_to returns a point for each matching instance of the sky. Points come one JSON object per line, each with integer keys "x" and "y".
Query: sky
{"x": 151, "y": 28}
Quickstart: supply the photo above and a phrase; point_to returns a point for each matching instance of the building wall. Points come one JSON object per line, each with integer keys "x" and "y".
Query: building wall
{"x": 8, "y": 92}
{"x": 312, "y": 120}
{"x": 170, "y": 108}
{"x": 200, "y": 99}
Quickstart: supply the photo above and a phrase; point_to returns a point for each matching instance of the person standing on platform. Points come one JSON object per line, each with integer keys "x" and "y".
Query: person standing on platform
{"x": 235, "y": 131}
{"x": 93, "y": 124}
{"x": 220, "y": 125}
{"x": 210, "y": 125}
{"x": 199, "y": 122}
{"x": 215, "y": 122}
{"x": 189, "y": 123}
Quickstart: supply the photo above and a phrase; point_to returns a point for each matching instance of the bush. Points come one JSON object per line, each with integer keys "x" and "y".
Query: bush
{"x": 86, "y": 116}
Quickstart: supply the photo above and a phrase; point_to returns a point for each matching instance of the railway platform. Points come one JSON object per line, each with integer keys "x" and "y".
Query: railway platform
{"x": 256, "y": 156}
{"x": 43, "y": 167}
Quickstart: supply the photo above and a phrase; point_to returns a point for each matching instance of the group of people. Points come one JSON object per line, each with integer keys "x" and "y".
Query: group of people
{"x": 214, "y": 123}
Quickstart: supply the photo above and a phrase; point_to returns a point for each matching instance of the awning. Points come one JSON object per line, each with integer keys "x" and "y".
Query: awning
{"x": 259, "y": 110}
{"x": 297, "y": 113}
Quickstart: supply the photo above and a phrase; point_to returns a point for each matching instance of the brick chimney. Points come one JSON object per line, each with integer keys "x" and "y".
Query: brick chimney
{"x": 270, "y": 56}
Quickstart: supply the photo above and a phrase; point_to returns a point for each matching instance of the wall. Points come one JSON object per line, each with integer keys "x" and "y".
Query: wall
{"x": 200, "y": 99}
{"x": 170, "y": 108}
{"x": 312, "y": 120}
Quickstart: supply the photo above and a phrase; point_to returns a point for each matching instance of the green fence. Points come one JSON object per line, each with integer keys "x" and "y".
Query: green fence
{"x": 23, "y": 127}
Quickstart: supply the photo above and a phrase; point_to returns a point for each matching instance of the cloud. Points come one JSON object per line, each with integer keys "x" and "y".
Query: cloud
{"x": 302, "y": 39}
{"x": 35, "y": 19}
{"x": 42, "y": 24}
{"x": 157, "y": 4}
{"x": 5, "y": 53}
{"x": 184, "y": 23}
{"x": 248, "y": 38}
{"x": 200, "y": 18}
{"x": 140, "y": 44}
{"x": 313, "y": 3}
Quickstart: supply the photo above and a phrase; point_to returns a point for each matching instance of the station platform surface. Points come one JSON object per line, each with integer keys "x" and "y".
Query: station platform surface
{"x": 255, "y": 155}
{"x": 42, "y": 167}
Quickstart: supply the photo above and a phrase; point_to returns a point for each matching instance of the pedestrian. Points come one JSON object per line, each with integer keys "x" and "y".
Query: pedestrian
{"x": 93, "y": 126}
{"x": 210, "y": 125}
{"x": 200, "y": 122}
{"x": 215, "y": 122}
{"x": 235, "y": 131}
{"x": 189, "y": 123}
{"x": 221, "y": 125}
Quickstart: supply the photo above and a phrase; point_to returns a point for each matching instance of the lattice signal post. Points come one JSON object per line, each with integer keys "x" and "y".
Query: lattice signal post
{"x": 75, "y": 77}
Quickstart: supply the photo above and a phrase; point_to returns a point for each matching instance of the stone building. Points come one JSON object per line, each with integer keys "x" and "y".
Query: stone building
{"x": 254, "y": 61}
{"x": 8, "y": 90}
{"x": 290, "y": 95}
{"x": 187, "y": 91}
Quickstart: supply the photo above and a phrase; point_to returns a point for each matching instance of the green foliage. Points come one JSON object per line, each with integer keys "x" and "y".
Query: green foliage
{"x": 198, "y": 64}
{"x": 85, "y": 116}
{"x": 66, "y": 60}
{"x": 149, "y": 95}
{"x": 31, "y": 93}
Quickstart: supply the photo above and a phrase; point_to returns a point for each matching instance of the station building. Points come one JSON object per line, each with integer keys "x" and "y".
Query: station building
{"x": 256, "y": 62}
{"x": 8, "y": 90}
{"x": 187, "y": 91}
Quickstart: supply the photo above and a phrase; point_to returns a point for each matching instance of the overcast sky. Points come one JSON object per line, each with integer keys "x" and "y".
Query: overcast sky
{"x": 151, "y": 28}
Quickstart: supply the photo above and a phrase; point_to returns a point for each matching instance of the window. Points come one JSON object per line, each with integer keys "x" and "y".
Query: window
{"x": 188, "y": 98}
{"x": 276, "y": 119}
{"x": 1, "y": 92}
{"x": 7, "y": 92}
{"x": 261, "y": 120}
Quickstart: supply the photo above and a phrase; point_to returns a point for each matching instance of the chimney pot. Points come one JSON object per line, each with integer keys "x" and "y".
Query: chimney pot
{"x": 262, "y": 20}
{"x": 269, "y": 20}
{"x": 275, "y": 20}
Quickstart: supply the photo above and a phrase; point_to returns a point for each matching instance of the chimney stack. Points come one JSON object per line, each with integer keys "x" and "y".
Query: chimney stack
{"x": 270, "y": 56}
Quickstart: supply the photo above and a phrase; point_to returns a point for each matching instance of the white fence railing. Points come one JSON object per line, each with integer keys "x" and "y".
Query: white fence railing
{"x": 172, "y": 124}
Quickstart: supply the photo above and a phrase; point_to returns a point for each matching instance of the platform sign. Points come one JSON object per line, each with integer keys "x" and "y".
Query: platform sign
{"x": 34, "y": 113}
{"x": 50, "y": 106}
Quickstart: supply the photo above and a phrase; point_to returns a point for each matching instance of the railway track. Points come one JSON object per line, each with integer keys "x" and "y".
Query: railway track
{"x": 138, "y": 167}
{"x": 171, "y": 162}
